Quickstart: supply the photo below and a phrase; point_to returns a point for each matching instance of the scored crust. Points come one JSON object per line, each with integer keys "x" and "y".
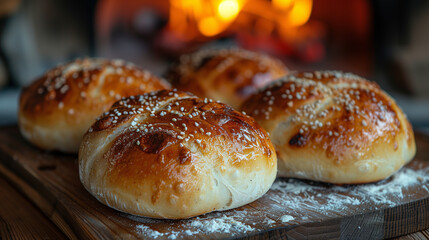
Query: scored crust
{"x": 59, "y": 107}
{"x": 333, "y": 127}
{"x": 168, "y": 154}
{"x": 228, "y": 75}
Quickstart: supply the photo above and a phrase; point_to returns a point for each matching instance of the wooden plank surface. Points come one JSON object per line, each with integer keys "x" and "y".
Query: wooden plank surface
{"x": 422, "y": 235}
{"x": 19, "y": 219}
{"x": 292, "y": 208}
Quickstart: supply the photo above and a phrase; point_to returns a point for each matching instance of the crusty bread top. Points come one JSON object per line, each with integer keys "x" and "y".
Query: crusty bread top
{"x": 339, "y": 115}
{"x": 228, "y": 75}
{"x": 173, "y": 117}
{"x": 86, "y": 84}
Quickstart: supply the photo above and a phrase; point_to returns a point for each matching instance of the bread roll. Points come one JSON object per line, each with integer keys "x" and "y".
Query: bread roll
{"x": 59, "y": 107}
{"x": 333, "y": 127}
{"x": 167, "y": 154}
{"x": 228, "y": 75}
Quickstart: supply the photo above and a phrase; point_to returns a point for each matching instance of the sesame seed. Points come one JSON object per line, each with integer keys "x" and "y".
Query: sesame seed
{"x": 64, "y": 89}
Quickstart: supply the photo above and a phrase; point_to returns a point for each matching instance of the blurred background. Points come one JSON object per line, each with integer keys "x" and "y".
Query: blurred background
{"x": 386, "y": 41}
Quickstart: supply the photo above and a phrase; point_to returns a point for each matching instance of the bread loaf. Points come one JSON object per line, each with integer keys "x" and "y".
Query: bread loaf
{"x": 59, "y": 107}
{"x": 333, "y": 127}
{"x": 168, "y": 154}
{"x": 228, "y": 75}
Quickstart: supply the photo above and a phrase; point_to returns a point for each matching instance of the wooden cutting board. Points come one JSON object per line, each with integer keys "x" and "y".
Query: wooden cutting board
{"x": 291, "y": 209}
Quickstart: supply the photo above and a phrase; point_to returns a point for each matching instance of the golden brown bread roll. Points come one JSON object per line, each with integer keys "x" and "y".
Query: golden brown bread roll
{"x": 168, "y": 154}
{"x": 228, "y": 75}
{"x": 333, "y": 127}
{"x": 59, "y": 107}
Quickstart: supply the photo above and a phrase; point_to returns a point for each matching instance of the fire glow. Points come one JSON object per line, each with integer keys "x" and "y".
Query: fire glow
{"x": 190, "y": 19}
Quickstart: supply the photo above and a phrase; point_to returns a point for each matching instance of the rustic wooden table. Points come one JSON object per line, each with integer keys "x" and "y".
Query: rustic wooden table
{"x": 42, "y": 198}
{"x": 20, "y": 219}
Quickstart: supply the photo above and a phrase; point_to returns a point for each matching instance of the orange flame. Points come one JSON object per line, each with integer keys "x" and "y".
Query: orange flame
{"x": 193, "y": 18}
{"x": 299, "y": 11}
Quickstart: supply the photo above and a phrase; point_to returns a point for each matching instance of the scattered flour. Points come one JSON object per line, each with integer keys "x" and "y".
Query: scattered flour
{"x": 298, "y": 201}
{"x": 286, "y": 218}
{"x": 223, "y": 224}
{"x": 296, "y": 194}
{"x": 148, "y": 231}
{"x": 269, "y": 221}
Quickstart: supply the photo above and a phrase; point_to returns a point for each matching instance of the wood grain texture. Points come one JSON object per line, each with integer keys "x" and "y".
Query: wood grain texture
{"x": 292, "y": 209}
{"x": 19, "y": 219}
{"x": 422, "y": 235}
